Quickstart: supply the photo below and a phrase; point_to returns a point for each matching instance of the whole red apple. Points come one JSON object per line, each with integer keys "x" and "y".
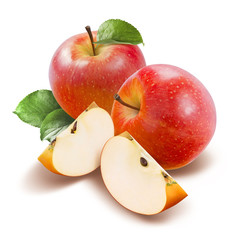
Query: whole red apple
{"x": 80, "y": 75}
{"x": 174, "y": 116}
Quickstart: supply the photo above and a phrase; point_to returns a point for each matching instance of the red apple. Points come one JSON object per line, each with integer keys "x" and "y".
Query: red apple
{"x": 78, "y": 77}
{"x": 174, "y": 117}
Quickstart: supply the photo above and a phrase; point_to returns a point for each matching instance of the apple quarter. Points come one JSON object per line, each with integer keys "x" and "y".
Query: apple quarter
{"x": 76, "y": 151}
{"x": 135, "y": 179}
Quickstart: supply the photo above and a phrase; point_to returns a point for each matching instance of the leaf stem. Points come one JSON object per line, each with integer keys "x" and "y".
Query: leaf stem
{"x": 118, "y": 98}
{"x": 88, "y": 28}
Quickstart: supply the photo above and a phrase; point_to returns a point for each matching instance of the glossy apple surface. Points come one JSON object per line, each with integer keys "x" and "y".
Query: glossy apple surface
{"x": 176, "y": 118}
{"x": 78, "y": 78}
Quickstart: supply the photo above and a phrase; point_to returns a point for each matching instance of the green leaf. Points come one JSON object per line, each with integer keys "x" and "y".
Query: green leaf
{"x": 34, "y": 107}
{"x": 116, "y": 31}
{"x": 54, "y": 123}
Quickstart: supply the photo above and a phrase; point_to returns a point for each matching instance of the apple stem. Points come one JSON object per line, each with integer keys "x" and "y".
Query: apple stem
{"x": 88, "y": 28}
{"x": 118, "y": 98}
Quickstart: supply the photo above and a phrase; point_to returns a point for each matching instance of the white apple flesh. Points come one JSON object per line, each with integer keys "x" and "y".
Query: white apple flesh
{"x": 76, "y": 151}
{"x": 135, "y": 179}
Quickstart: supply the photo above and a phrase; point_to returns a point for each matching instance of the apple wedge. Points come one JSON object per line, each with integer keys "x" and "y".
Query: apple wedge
{"x": 76, "y": 151}
{"x": 135, "y": 179}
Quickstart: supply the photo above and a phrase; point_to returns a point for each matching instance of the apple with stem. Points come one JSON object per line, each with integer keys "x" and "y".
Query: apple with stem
{"x": 135, "y": 179}
{"x": 168, "y": 111}
{"x": 82, "y": 72}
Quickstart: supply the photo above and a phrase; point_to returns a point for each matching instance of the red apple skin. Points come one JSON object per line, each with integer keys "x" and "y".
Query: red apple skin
{"x": 177, "y": 116}
{"x": 78, "y": 78}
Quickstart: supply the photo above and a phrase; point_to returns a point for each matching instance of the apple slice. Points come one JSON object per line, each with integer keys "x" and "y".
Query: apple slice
{"x": 76, "y": 151}
{"x": 135, "y": 179}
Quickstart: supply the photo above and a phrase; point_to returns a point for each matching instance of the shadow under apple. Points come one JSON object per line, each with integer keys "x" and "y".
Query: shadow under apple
{"x": 40, "y": 180}
{"x": 201, "y": 163}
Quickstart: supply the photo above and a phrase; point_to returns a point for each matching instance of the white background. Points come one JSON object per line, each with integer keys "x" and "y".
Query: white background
{"x": 36, "y": 204}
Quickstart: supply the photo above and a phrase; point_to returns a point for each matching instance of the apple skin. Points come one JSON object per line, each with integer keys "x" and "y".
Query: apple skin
{"x": 177, "y": 116}
{"x": 78, "y": 78}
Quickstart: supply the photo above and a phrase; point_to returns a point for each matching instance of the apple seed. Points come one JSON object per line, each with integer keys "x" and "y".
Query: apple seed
{"x": 143, "y": 161}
